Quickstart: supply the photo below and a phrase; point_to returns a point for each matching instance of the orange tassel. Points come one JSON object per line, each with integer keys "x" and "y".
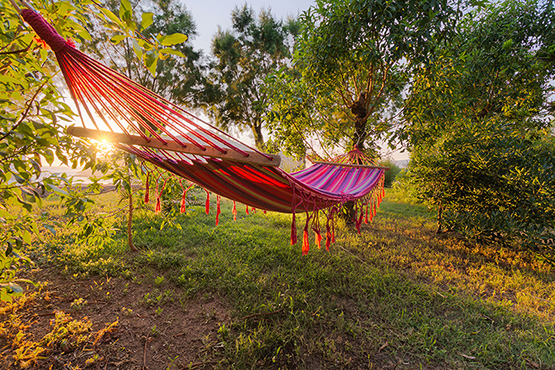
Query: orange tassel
{"x": 234, "y": 211}
{"x": 306, "y": 246}
{"x": 318, "y": 238}
{"x": 158, "y": 205}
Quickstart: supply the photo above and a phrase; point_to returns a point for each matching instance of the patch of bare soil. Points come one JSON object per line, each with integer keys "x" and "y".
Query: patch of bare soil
{"x": 109, "y": 323}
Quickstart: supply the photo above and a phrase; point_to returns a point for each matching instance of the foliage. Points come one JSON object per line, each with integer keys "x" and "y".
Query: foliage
{"x": 245, "y": 56}
{"x": 32, "y": 131}
{"x": 356, "y": 55}
{"x": 478, "y": 124}
{"x": 491, "y": 68}
{"x": 156, "y": 35}
{"x": 493, "y": 184}
{"x": 390, "y": 174}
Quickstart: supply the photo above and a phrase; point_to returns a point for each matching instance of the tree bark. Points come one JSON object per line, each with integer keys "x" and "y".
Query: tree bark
{"x": 439, "y": 219}
{"x": 130, "y": 220}
{"x": 258, "y": 137}
{"x": 360, "y": 111}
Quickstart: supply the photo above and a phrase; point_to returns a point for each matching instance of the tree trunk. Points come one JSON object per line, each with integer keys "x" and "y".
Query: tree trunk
{"x": 439, "y": 219}
{"x": 258, "y": 138}
{"x": 130, "y": 220}
{"x": 360, "y": 111}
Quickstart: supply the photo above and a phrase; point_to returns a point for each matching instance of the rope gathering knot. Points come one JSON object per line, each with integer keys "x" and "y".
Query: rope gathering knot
{"x": 45, "y": 31}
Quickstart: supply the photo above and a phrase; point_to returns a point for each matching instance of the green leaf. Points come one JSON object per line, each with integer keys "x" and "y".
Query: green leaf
{"x": 50, "y": 228}
{"x": 137, "y": 49}
{"x": 118, "y": 38}
{"x": 125, "y": 9}
{"x": 172, "y": 51}
{"x": 173, "y": 39}
{"x": 15, "y": 288}
{"x": 57, "y": 190}
{"x": 111, "y": 16}
{"x": 9, "y": 79}
{"x": 146, "y": 21}
{"x": 151, "y": 62}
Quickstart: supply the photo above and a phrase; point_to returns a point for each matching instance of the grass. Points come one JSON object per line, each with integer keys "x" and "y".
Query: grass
{"x": 397, "y": 295}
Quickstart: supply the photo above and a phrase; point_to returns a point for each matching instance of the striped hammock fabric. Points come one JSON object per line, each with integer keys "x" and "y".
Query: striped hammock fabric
{"x": 152, "y": 128}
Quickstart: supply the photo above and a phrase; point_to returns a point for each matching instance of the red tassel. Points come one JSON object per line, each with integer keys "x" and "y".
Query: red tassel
{"x": 306, "y": 246}
{"x": 158, "y": 205}
{"x": 328, "y": 237}
{"x": 359, "y": 222}
{"x": 366, "y": 217}
{"x": 147, "y": 187}
{"x": 207, "y": 206}
{"x": 234, "y": 211}
{"x": 247, "y": 209}
{"x": 217, "y": 210}
{"x": 293, "y": 230}
{"x": 158, "y": 202}
{"x": 183, "y": 207}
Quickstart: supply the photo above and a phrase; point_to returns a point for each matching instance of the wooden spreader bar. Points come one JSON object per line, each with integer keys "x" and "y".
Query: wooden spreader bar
{"x": 351, "y": 165}
{"x": 230, "y": 154}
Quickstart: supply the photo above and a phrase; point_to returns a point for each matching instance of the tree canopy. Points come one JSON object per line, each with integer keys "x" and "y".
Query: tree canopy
{"x": 244, "y": 57}
{"x": 354, "y": 57}
{"x": 179, "y": 77}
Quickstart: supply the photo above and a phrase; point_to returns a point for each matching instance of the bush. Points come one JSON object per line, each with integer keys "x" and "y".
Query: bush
{"x": 390, "y": 174}
{"x": 493, "y": 182}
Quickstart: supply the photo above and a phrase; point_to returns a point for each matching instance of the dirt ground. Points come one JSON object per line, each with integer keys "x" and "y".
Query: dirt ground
{"x": 110, "y": 323}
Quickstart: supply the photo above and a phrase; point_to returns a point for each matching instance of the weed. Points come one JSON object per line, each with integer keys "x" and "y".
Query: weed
{"x": 78, "y": 304}
{"x": 154, "y": 331}
{"x": 126, "y": 311}
{"x": 67, "y": 333}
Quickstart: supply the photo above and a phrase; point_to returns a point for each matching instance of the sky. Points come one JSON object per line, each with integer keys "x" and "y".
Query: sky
{"x": 209, "y": 14}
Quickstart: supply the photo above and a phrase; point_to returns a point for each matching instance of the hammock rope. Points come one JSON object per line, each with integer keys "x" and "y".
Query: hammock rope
{"x": 173, "y": 139}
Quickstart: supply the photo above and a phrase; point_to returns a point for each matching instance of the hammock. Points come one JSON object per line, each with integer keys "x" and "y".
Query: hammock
{"x": 173, "y": 139}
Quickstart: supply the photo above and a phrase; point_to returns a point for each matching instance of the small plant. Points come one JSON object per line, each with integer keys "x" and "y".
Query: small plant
{"x": 67, "y": 333}
{"x": 154, "y": 332}
{"x": 126, "y": 311}
{"x": 78, "y": 304}
{"x": 159, "y": 311}
{"x": 159, "y": 280}
{"x": 223, "y": 332}
{"x": 172, "y": 360}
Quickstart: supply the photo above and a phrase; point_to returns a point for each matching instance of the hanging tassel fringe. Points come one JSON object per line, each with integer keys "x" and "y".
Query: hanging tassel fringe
{"x": 217, "y": 210}
{"x": 147, "y": 190}
{"x": 234, "y": 211}
{"x": 293, "y": 230}
{"x": 207, "y": 206}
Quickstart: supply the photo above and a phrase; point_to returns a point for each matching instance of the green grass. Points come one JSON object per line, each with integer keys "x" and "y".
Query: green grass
{"x": 395, "y": 295}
